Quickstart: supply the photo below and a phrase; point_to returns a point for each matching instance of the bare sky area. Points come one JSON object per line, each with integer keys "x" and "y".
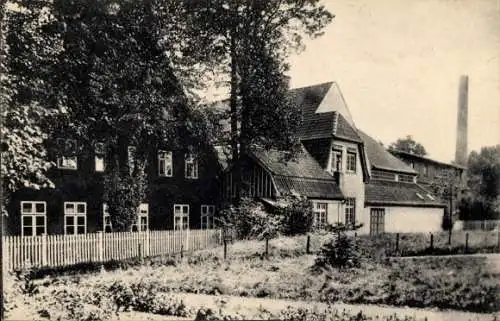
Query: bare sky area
{"x": 398, "y": 65}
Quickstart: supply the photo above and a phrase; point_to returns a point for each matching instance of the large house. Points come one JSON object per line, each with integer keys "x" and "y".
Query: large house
{"x": 347, "y": 174}
{"x": 183, "y": 192}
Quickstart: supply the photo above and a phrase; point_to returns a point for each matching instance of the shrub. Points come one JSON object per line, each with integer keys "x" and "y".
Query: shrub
{"x": 297, "y": 217}
{"x": 26, "y": 277}
{"x": 340, "y": 252}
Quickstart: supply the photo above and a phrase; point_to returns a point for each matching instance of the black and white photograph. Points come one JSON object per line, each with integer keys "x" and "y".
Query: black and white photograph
{"x": 280, "y": 160}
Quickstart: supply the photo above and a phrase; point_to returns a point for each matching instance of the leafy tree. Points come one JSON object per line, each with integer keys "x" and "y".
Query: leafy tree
{"x": 26, "y": 52}
{"x": 483, "y": 179}
{"x": 248, "y": 41}
{"x": 448, "y": 187}
{"x": 408, "y": 145}
{"x": 118, "y": 74}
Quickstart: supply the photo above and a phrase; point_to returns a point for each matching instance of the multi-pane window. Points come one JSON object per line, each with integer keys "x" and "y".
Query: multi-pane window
{"x": 75, "y": 217}
{"x": 99, "y": 157}
{"x": 131, "y": 154}
{"x": 191, "y": 169}
{"x": 320, "y": 214}
{"x": 351, "y": 161}
{"x": 336, "y": 165}
{"x": 142, "y": 218}
{"x": 67, "y": 156}
{"x": 165, "y": 166}
{"x": 426, "y": 170}
{"x": 350, "y": 211}
{"x": 381, "y": 175}
{"x": 33, "y": 218}
{"x": 207, "y": 216}
{"x": 377, "y": 221}
{"x": 106, "y": 219}
{"x": 406, "y": 178}
{"x": 181, "y": 217}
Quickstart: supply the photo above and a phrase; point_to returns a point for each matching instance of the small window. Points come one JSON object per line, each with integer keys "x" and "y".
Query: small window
{"x": 320, "y": 214}
{"x": 431, "y": 197}
{"x": 207, "y": 216}
{"x": 336, "y": 161}
{"x": 351, "y": 162}
{"x": 33, "y": 218}
{"x": 165, "y": 167}
{"x": 75, "y": 217}
{"x": 426, "y": 170}
{"x": 406, "y": 178}
{"x": 99, "y": 157}
{"x": 350, "y": 211}
{"x": 191, "y": 169}
{"x": 67, "y": 158}
{"x": 420, "y": 196}
{"x": 181, "y": 217}
{"x": 142, "y": 218}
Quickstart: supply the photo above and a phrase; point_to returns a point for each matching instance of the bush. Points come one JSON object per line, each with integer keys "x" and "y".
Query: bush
{"x": 297, "y": 216}
{"x": 340, "y": 252}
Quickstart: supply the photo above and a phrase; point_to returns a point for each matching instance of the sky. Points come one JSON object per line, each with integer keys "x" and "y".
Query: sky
{"x": 398, "y": 65}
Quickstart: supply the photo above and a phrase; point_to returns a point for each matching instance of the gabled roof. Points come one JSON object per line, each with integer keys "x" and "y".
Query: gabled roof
{"x": 425, "y": 159}
{"x": 303, "y": 165}
{"x": 380, "y": 158}
{"x": 387, "y": 193}
{"x": 302, "y": 175}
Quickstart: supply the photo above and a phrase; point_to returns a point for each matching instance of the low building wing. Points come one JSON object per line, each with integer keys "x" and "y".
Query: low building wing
{"x": 380, "y": 192}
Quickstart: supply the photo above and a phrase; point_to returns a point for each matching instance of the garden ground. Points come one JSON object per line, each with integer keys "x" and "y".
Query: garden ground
{"x": 450, "y": 288}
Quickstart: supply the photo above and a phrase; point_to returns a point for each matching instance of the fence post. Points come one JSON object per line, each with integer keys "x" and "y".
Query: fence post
{"x": 267, "y": 246}
{"x": 466, "y": 242}
{"x": 498, "y": 239}
{"x": 187, "y": 239}
{"x": 44, "y": 249}
{"x": 225, "y": 249}
{"x": 397, "y": 242}
{"x": 449, "y": 237}
{"x": 100, "y": 249}
{"x": 308, "y": 244}
{"x": 432, "y": 241}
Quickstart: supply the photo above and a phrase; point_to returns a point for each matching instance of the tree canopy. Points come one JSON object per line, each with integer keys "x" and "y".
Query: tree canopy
{"x": 483, "y": 180}
{"x": 409, "y": 145}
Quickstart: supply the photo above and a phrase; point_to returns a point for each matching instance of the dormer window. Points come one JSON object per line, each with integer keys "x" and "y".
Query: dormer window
{"x": 351, "y": 161}
{"x": 67, "y": 158}
{"x": 336, "y": 162}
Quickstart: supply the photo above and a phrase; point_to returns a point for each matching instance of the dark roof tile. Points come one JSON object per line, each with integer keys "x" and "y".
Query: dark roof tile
{"x": 379, "y": 192}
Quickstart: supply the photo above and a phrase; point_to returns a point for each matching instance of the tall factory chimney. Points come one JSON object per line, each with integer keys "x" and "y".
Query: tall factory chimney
{"x": 461, "y": 148}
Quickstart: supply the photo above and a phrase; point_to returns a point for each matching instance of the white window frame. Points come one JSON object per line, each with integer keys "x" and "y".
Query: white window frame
{"x": 65, "y": 161}
{"x": 184, "y": 215}
{"x": 350, "y": 211}
{"x": 106, "y": 218}
{"x": 165, "y": 163}
{"x": 207, "y": 217}
{"x": 320, "y": 214}
{"x": 75, "y": 215}
{"x": 142, "y": 222}
{"x": 351, "y": 167}
{"x": 336, "y": 164}
{"x": 191, "y": 159}
{"x": 34, "y": 214}
{"x": 99, "y": 157}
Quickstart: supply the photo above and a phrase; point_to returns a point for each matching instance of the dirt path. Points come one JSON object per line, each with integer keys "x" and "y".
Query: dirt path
{"x": 249, "y": 308}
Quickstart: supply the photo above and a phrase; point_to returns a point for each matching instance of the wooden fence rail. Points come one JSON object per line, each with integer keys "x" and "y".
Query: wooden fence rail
{"x": 64, "y": 250}
{"x": 486, "y": 225}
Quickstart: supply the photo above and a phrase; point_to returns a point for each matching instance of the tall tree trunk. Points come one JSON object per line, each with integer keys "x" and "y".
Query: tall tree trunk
{"x": 236, "y": 172}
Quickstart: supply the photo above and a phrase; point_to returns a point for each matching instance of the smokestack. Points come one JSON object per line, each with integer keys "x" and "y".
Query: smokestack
{"x": 461, "y": 148}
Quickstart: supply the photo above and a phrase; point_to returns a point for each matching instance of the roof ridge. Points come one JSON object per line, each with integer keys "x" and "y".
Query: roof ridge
{"x": 314, "y": 85}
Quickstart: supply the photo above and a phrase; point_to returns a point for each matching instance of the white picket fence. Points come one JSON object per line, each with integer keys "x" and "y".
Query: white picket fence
{"x": 65, "y": 250}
